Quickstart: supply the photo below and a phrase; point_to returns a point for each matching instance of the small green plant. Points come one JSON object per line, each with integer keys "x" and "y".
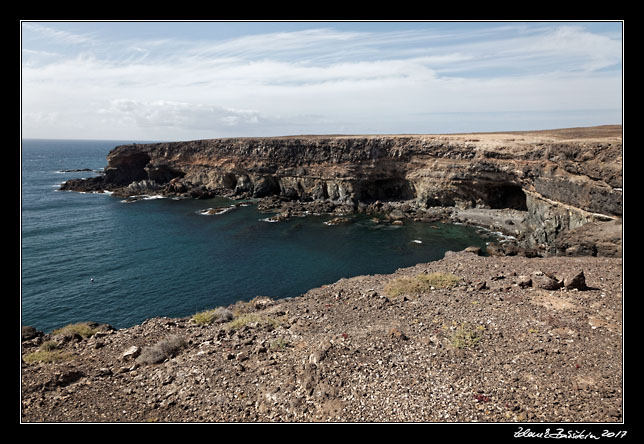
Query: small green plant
{"x": 421, "y": 283}
{"x": 46, "y": 356}
{"x": 439, "y": 280}
{"x": 465, "y": 337}
{"x": 216, "y": 315}
{"x": 48, "y": 346}
{"x": 82, "y": 328}
{"x": 279, "y": 344}
{"x": 47, "y": 352}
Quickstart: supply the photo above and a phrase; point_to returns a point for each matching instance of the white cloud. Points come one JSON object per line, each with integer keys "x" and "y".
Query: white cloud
{"x": 316, "y": 80}
{"x": 56, "y": 35}
{"x": 572, "y": 45}
{"x": 167, "y": 114}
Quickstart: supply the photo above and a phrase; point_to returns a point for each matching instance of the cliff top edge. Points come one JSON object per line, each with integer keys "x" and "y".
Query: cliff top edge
{"x": 594, "y": 133}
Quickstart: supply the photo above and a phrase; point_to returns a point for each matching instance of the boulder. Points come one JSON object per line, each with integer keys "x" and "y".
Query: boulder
{"x": 524, "y": 281}
{"x": 545, "y": 281}
{"x": 396, "y": 214}
{"x": 475, "y": 250}
{"x": 575, "y": 280}
{"x": 481, "y": 285}
{"x": 131, "y": 353}
{"x": 29, "y": 332}
{"x": 509, "y": 248}
{"x": 261, "y": 302}
{"x": 142, "y": 187}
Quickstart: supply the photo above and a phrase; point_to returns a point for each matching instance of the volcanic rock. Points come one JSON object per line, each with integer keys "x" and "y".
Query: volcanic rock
{"x": 337, "y": 353}
{"x": 558, "y": 186}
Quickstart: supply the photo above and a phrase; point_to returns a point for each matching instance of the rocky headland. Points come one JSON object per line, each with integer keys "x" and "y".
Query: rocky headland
{"x": 540, "y": 187}
{"x": 531, "y": 332}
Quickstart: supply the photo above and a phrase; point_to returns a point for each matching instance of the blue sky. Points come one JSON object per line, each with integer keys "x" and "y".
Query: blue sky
{"x": 193, "y": 80}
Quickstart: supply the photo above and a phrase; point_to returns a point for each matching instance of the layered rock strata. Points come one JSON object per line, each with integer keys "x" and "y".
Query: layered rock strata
{"x": 559, "y": 180}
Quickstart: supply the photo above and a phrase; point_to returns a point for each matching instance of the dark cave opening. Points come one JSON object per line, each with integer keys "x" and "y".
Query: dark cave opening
{"x": 128, "y": 169}
{"x": 509, "y": 196}
{"x": 384, "y": 190}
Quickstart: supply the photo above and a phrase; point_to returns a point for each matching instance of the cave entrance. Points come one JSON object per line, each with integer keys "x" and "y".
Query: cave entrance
{"x": 127, "y": 168}
{"x": 509, "y": 196}
{"x": 136, "y": 166}
{"x": 385, "y": 190}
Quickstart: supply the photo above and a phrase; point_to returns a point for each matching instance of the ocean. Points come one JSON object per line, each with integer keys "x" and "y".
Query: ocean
{"x": 93, "y": 257}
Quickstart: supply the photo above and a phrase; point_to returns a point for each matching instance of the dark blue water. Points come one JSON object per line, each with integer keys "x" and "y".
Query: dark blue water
{"x": 160, "y": 257}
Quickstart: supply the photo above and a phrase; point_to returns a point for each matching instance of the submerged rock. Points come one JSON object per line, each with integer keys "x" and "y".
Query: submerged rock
{"x": 338, "y": 221}
{"x": 216, "y": 211}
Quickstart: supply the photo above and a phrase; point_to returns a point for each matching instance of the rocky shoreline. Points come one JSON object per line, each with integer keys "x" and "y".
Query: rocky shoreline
{"x": 531, "y": 332}
{"x": 508, "y": 339}
{"x": 559, "y": 181}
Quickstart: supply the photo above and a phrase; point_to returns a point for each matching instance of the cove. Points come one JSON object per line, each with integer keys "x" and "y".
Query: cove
{"x": 121, "y": 263}
{"x": 202, "y": 261}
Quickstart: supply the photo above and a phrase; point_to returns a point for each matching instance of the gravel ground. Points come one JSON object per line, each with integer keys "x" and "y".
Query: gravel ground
{"x": 507, "y": 343}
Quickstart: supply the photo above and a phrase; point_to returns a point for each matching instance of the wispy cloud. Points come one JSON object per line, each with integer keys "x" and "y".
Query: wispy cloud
{"x": 56, "y": 35}
{"x": 168, "y": 114}
{"x": 258, "y": 83}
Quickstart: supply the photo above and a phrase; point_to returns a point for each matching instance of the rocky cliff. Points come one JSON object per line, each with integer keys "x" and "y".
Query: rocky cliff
{"x": 559, "y": 180}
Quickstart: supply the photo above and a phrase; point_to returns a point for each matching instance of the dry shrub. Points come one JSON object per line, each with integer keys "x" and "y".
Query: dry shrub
{"x": 47, "y": 352}
{"x": 421, "y": 283}
{"x": 217, "y": 315}
{"x": 162, "y": 350}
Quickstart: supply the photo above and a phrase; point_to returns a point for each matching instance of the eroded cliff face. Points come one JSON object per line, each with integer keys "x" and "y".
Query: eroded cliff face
{"x": 561, "y": 179}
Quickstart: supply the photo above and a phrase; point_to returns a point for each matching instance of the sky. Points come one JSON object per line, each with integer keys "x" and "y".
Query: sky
{"x": 197, "y": 80}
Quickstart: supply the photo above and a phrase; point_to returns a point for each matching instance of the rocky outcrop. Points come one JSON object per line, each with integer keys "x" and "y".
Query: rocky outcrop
{"x": 511, "y": 339}
{"x": 561, "y": 179}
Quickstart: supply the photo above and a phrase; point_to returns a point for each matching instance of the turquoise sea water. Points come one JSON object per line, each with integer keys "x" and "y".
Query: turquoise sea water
{"x": 160, "y": 257}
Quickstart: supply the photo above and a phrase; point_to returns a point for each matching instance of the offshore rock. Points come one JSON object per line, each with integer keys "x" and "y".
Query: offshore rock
{"x": 559, "y": 180}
